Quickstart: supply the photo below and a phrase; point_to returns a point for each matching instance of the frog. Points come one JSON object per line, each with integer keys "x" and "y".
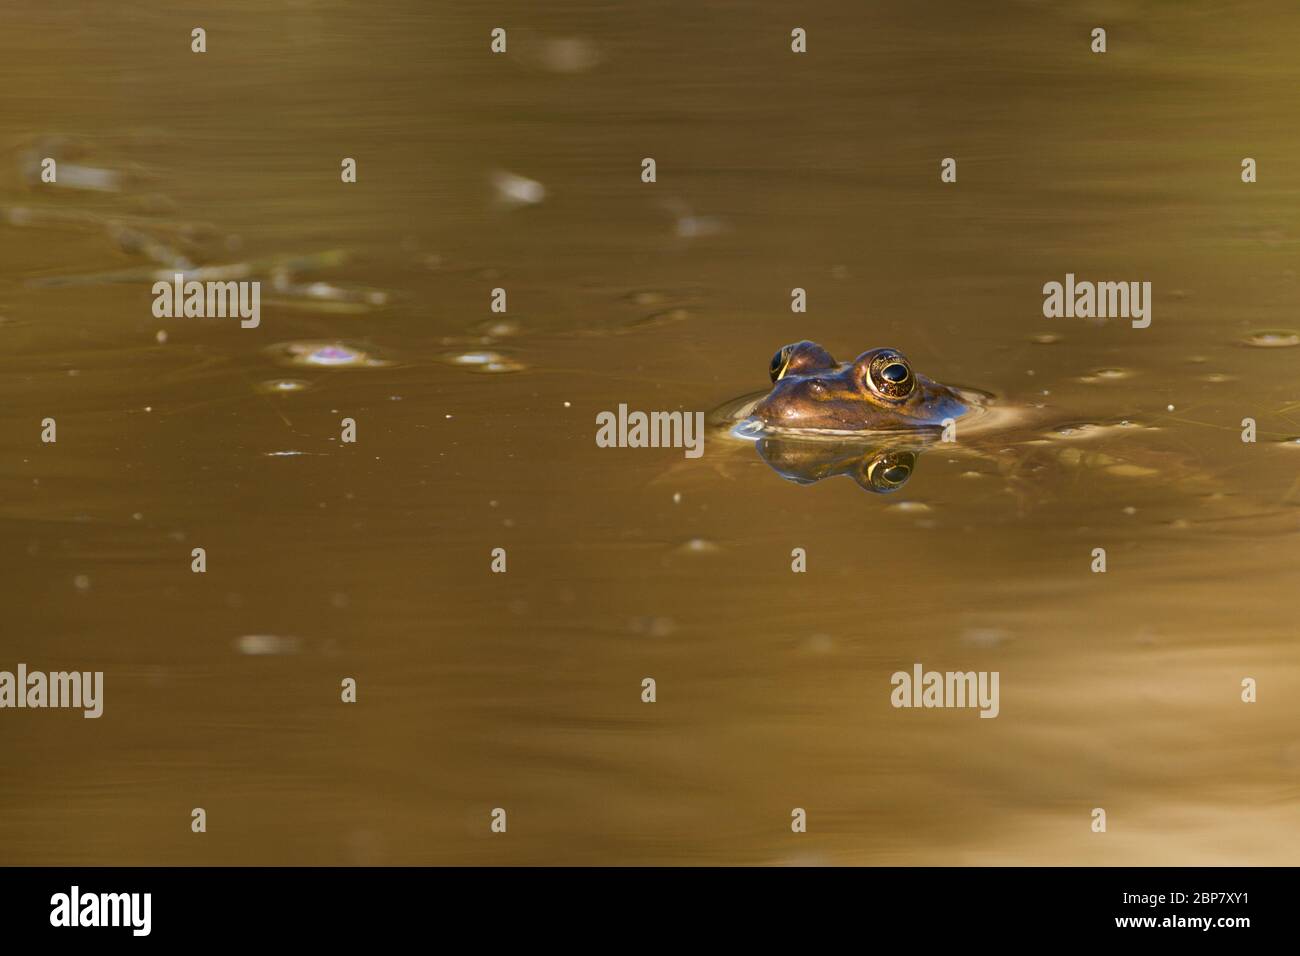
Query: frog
{"x": 877, "y": 391}
{"x": 872, "y": 420}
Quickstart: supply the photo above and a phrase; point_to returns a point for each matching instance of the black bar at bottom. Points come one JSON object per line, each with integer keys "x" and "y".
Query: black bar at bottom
{"x": 537, "y": 905}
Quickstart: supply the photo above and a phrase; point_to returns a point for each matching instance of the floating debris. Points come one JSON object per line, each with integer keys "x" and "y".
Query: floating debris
{"x": 698, "y": 546}
{"x": 687, "y": 225}
{"x": 1106, "y": 375}
{"x": 985, "y": 636}
{"x": 1046, "y": 338}
{"x": 1272, "y": 339}
{"x": 1079, "y": 430}
{"x": 262, "y": 645}
{"x": 223, "y": 272}
{"x": 323, "y": 355}
{"x": 1130, "y": 470}
{"x": 322, "y": 296}
{"x": 281, "y": 386}
{"x": 515, "y": 190}
{"x": 909, "y": 507}
{"x": 88, "y": 178}
{"x": 487, "y": 362}
{"x": 498, "y": 328}
{"x": 652, "y": 626}
{"x": 137, "y": 242}
{"x": 565, "y": 55}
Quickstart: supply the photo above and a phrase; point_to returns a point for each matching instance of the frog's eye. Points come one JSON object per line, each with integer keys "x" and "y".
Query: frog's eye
{"x": 890, "y": 376}
{"x": 779, "y": 361}
{"x": 800, "y": 358}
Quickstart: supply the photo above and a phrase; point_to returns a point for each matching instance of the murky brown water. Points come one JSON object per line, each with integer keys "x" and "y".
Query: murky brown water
{"x": 522, "y": 690}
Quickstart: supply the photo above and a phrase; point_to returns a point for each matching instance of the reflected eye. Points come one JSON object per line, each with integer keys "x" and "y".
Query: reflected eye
{"x": 890, "y": 376}
{"x": 778, "y": 363}
{"x": 889, "y": 472}
{"x": 896, "y": 475}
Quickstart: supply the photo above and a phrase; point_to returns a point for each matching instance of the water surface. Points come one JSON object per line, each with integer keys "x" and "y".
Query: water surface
{"x": 522, "y": 690}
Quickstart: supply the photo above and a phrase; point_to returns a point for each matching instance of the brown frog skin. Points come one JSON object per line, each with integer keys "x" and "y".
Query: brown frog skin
{"x": 877, "y": 391}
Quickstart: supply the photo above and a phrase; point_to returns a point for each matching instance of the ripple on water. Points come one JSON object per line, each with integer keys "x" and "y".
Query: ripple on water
{"x": 323, "y": 355}
{"x": 1078, "y": 430}
{"x": 1272, "y": 339}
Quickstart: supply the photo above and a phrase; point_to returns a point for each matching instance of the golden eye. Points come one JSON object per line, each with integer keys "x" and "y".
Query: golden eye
{"x": 890, "y": 376}
{"x": 890, "y": 471}
{"x": 779, "y": 361}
